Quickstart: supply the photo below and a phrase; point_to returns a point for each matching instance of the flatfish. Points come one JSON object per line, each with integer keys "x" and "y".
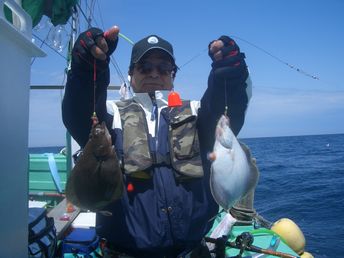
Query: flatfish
{"x": 231, "y": 176}
{"x": 96, "y": 179}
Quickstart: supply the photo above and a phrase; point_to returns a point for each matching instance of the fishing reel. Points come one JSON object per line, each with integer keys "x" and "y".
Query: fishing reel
{"x": 243, "y": 241}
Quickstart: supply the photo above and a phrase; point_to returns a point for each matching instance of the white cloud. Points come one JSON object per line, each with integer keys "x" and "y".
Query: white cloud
{"x": 299, "y": 101}
{"x": 275, "y": 112}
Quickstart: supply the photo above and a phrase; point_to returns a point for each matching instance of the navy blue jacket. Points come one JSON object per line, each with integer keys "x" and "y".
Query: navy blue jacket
{"x": 161, "y": 216}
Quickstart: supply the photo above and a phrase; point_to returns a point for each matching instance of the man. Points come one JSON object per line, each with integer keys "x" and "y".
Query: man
{"x": 167, "y": 206}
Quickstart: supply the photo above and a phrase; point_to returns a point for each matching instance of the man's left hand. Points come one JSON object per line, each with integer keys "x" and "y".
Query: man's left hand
{"x": 228, "y": 61}
{"x": 225, "y": 52}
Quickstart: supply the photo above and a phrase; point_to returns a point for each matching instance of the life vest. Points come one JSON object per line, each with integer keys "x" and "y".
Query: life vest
{"x": 184, "y": 150}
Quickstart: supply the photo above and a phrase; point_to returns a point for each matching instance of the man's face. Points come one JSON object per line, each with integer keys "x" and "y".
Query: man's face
{"x": 153, "y": 72}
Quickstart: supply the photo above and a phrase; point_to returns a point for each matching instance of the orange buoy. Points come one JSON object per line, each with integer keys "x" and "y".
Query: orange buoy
{"x": 174, "y": 99}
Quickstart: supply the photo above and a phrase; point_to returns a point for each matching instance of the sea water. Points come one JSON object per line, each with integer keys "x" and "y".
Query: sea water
{"x": 301, "y": 178}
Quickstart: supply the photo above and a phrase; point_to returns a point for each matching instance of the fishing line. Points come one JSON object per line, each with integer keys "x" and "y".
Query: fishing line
{"x": 42, "y": 43}
{"x": 93, "y": 17}
{"x": 100, "y": 14}
{"x": 49, "y": 46}
{"x": 89, "y": 17}
{"x": 299, "y": 70}
{"x": 279, "y": 59}
{"x": 102, "y": 23}
{"x": 116, "y": 66}
{"x": 113, "y": 62}
{"x": 101, "y": 18}
{"x": 82, "y": 12}
{"x": 94, "y": 117}
{"x": 112, "y": 59}
{"x": 226, "y": 100}
{"x": 90, "y": 9}
{"x": 194, "y": 57}
{"x": 118, "y": 70}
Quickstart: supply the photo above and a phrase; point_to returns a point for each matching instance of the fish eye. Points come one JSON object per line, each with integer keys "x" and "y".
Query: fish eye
{"x": 98, "y": 130}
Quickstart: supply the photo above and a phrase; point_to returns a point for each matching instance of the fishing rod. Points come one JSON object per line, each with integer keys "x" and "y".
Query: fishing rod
{"x": 47, "y": 194}
{"x": 126, "y": 38}
{"x": 243, "y": 242}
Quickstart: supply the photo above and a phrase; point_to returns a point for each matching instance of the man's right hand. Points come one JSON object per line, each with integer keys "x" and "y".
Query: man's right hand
{"x": 94, "y": 43}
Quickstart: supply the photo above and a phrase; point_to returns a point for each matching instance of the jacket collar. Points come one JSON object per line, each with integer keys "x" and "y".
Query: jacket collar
{"x": 145, "y": 100}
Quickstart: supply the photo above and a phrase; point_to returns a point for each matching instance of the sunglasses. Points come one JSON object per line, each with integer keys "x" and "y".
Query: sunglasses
{"x": 162, "y": 68}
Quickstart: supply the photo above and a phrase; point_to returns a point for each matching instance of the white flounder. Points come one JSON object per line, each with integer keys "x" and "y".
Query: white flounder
{"x": 231, "y": 175}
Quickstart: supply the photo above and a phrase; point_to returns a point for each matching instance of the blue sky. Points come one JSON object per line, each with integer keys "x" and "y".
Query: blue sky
{"x": 307, "y": 35}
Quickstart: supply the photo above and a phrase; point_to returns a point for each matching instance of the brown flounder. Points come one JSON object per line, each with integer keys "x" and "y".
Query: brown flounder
{"x": 96, "y": 179}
